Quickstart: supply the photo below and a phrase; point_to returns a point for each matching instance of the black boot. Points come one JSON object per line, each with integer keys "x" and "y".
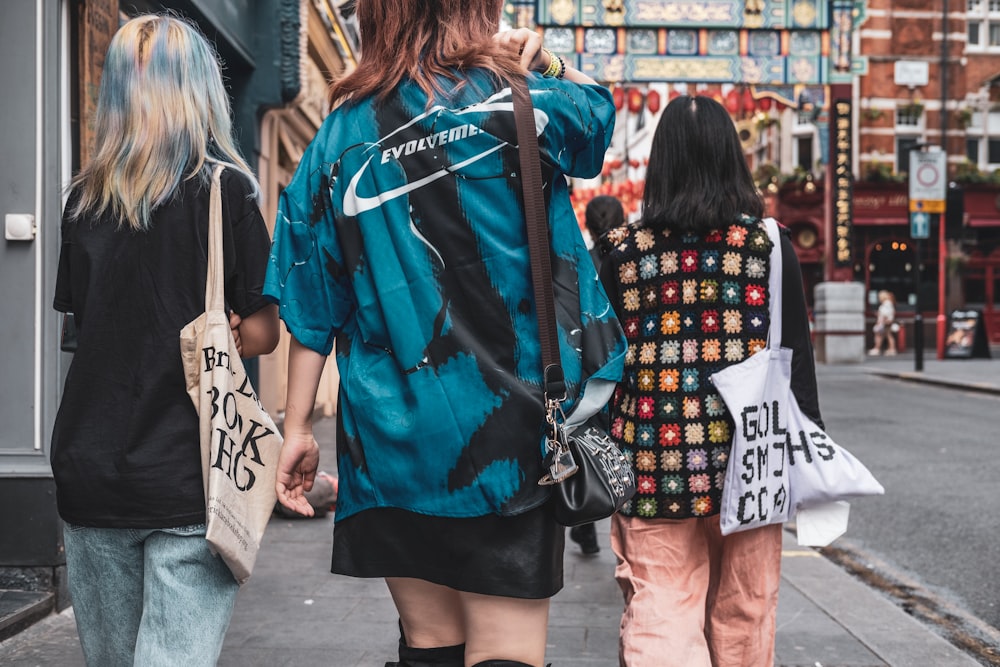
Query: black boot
{"x": 442, "y": 656}
{"x": 586, "y": 536}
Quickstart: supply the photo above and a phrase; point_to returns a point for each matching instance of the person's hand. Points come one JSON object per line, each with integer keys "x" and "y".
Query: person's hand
{"x": 297, "y": 467}
{"x": 234, "y": 325}
{"x": 528, "y": 44}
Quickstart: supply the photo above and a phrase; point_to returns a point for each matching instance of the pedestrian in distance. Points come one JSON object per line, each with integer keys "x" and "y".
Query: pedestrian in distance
{"x": 402, "y": 238}
{"x": 603, "y": 213}
{"x": 689, "y": 282}
{"x": 885, "y": 327}
{"x": 125, "y": 454}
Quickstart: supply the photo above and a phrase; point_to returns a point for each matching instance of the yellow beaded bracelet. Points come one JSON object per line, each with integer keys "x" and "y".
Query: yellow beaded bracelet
{"x": 555, "y": 68}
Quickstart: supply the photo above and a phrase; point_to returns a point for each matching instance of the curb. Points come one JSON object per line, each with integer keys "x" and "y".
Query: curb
{"x": 913, "y": 376}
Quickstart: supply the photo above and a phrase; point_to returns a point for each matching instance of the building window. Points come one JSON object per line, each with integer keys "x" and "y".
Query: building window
{"x": 909, "y": 115}
{"x": 903, "y": 147}
{"x": 982, "y": 26}
{"x": 993, "y": 150}
{"x": 804, "y": 150}
{"x": 972, "y": 150}
{"x": 982, "y": 144}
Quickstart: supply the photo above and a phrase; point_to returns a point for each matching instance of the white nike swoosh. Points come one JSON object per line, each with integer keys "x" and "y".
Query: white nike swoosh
{"x": 355, "y": 204}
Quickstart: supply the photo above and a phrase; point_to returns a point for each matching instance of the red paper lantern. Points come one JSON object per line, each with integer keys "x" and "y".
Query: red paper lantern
{"x": 733, "y": 102}
{"x": 618, "y": 95}
{"x": 634, "y": 100}
{"x": 765, "y": 103}
{"x": 653, "y": 101}
{"x": 674, "y": 94}
{"x": 748, "y": 101}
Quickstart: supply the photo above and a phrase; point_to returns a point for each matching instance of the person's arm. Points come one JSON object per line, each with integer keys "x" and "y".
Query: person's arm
{"x": 609, "y": 279}
{"x": 257, "y": 334}
{"x": 533, "y": 58}
{"x": 796, "y": 335}
{"x": 299, "y": 458}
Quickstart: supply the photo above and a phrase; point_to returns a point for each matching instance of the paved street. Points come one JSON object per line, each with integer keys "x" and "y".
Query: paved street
{"x": 294, "y": 612}
{"x": 932, "y": 538}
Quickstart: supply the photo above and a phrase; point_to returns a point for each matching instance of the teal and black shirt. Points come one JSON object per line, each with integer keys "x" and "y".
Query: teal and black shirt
{"x": 401, "y": 238}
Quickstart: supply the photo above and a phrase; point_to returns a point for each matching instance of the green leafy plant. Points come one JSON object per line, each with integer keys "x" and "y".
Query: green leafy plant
{"x": 964, "y": 117}
{"x": 766, "y": 122}
{"x": 909, "y": 114}
{"x": 881, "y": 172}
{"x": 968, "y": 172}
{"x": 765, "y": 174}
{"x": 798, "y": 176}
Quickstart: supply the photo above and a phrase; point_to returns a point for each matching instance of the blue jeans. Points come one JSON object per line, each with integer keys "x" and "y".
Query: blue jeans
{"x": 149, "y": 597}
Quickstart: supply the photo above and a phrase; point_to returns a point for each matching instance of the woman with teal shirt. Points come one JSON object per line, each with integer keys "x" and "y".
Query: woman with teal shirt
{"x": 401, "y": 239}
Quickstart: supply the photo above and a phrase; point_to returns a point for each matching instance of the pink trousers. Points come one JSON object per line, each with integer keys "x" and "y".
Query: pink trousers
{"x": 693, "y": 597}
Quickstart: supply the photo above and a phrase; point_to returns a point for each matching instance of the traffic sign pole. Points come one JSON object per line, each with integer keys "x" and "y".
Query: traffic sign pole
{"x": 928, "y": 191}
{"x": 942, "y": 276}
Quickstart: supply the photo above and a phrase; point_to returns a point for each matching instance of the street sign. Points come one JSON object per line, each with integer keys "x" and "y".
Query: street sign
{"x": 911, "y": 73}
{"x": 920, "y": 225}
{"x": 928, "y": 176}
{"x": 927, "y": 205}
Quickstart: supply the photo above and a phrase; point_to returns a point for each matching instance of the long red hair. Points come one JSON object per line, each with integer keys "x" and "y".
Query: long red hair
{"x": 423, "y": 40}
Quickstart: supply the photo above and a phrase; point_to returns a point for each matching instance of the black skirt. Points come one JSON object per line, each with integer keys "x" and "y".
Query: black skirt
{"x": 512, "y": 556}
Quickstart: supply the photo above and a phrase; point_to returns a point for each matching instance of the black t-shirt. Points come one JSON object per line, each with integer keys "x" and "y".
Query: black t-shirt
{"x": 125, "y": 445}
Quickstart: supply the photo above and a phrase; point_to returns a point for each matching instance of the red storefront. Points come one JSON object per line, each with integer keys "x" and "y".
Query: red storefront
{"x": 883, "y": 253}
{"x": 979, "y": 264}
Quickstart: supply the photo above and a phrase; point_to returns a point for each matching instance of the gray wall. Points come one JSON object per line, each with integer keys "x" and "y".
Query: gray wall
{"x": 31, "y": 365}
{"x": 27, "y": 138}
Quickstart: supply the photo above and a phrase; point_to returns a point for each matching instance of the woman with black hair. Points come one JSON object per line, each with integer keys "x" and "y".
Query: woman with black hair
{"x": 689, "y": 284}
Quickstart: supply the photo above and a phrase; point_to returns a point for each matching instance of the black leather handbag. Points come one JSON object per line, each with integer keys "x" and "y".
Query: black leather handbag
{"x": 590, "y": 477}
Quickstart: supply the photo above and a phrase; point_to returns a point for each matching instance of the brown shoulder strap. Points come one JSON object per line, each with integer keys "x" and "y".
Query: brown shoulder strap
{"x": 538, "y": 238}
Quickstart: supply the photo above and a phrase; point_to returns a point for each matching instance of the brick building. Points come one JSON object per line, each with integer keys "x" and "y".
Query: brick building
{"x": 933, "y": 78}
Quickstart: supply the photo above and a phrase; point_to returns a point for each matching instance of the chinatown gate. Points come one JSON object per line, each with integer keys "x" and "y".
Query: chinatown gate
{"x": 773, "y": 64}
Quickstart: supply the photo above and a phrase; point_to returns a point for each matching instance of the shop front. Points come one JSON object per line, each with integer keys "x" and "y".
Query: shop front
{"x": 974, "y": 259}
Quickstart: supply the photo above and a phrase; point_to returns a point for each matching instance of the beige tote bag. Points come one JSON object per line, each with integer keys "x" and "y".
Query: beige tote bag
{"x": 239, "y": 441}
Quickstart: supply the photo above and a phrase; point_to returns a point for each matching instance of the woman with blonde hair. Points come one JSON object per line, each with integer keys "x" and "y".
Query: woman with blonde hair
{"x": 126, "y": 457}
{"x": 885, "y": 326}
{"x": 402, "y": 237}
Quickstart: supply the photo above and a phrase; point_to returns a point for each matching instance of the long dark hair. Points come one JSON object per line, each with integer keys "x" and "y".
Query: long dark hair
{"x": 424, "y": 41}
{"x": 697, "y": 179}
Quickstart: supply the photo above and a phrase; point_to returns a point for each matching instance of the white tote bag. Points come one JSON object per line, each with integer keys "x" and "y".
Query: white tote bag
{"x": 239, "y": 442}
{"x": 781, "y": 461}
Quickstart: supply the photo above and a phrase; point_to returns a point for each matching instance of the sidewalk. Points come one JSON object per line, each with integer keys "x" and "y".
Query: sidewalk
{"x": 967, "y": 374}
{"x": 293, "y": 612}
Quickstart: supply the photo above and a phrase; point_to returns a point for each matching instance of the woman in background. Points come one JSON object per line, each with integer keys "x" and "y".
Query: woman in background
{"x": 885, "y": 326}
{"x": 689, "y": 284}
{"x": 603, "y": 214}
{"x": 125, "y": 446}
{"x": 402, "y": 236}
